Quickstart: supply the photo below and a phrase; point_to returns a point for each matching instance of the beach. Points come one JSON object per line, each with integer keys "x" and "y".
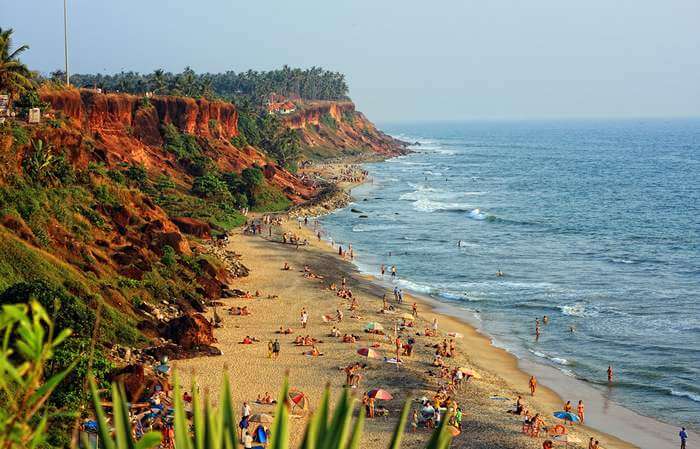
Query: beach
{"x": 485, "y": 401}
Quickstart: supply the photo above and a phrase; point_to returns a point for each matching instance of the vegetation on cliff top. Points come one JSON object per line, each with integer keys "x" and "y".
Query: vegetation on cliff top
{"x": 309, "y": 84}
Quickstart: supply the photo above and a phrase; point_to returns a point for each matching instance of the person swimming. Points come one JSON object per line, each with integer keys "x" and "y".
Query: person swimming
{"x": 499, "y": 273}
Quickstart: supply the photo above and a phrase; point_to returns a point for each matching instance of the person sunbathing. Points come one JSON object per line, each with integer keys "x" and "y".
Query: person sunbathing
{"x": 314, "y": 352}
{"x": 335, "y": 332}
{"x": 258, "y": 293}
{"x": 247, "y": 341}
{"x": 248, "y": 295}
{"x": 349, "y": 339}
{"x": 437, "y": 361}
{"x": 299, "y": 340}
{"x": 429, "y": 333}
{"x": 286, "y": 267}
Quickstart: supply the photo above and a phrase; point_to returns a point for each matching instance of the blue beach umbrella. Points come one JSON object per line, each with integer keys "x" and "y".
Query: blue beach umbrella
{"x": 566, "y": 416}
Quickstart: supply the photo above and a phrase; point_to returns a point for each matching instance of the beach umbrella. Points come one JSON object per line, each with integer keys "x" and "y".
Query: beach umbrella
{"x": 369, "y": 353}
{"x": 566, "y": 416}
{"x": 378, "y": 393}
{"x": 374, "y": 326}
{"x": 298, "y": 398}
{"x": 262, "y": 418}
{"x": 470, "y": 372}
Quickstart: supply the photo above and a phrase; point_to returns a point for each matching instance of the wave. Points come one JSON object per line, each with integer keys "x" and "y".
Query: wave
{"x": 554, "y": 359}
{"x": 686, "y": 394}
{"x": 426, "y": 205}
{"x": 578, "y": 309}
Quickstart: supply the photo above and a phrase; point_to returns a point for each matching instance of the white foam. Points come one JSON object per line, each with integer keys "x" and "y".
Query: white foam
{"x": 685, "y": 394}
{"x": 578, "y": 309}
{"x": 476, "y": 214}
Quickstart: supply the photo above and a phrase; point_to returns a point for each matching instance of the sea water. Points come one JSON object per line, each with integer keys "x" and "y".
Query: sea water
{"x": 595, "y": 224}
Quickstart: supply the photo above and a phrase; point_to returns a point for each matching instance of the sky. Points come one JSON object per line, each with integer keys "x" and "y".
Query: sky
{"x": 405, "y": 60}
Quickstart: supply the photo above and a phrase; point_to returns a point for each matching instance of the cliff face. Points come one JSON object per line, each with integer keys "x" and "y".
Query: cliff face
{"x": 126, "y": 129}
{"x": 336, "y": 128}
{"x": 119, "y": 112}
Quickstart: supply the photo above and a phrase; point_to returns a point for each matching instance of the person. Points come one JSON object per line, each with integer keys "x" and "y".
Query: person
{"x": 596, "y": 444}
{"x": 393, "y": 271}
{"x": 499, "y": 273}
{"x": 568, "y": 408}
{"x": 276, "y": 348}
{"x": 547, "y": 444}
{"x": 304, "y": 318}
{"x": 414, "y": 310}
{"x": 591, "y": 442}
{"x": 519, "y": 406}
{"x": 247, "y": 439}
{"x": 537, "y": 328}
{"x": 399, "y": 346}
{"x": 579, "y": 411}
{"x": 458, "y": 418}
{"x": 244, "y": 424}
{"x": 533, "y": 385}
{"x": 683, "y": 435}
{"x": 382, "y": 269}
{"x": 245, "y": 411}
{"x": 371, "y": 407}
{"x": 400, "y": 296}
{"x": 269, "y": 349}
{"x": 396, "y": 294}
{"x": 610, "y": 374}
{"x": 435, "y": 325}
{"x": 545, "y": 319}
{"x": 414, "y": 420}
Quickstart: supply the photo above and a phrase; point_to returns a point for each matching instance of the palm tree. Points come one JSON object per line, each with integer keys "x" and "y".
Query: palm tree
{"x": 15, "y": 77}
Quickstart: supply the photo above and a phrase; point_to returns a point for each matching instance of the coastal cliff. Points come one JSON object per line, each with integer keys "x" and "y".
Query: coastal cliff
{"x": 336, "y": 129}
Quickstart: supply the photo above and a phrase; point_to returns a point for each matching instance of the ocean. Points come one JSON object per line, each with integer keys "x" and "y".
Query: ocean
{"x": 595, "y": 224}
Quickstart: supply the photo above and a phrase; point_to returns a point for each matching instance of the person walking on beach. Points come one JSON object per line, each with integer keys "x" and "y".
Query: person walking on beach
{"x": 400, "y": 296}
{"x": 396, "y": 294}
{"x": 393, "y": 271}
{"x": 435, "y": 325}
{"x": 610, "y": 374}
{"x": 414, "y": 310}
{"x": 382, "y": 269}
{"x": 269, "y": 349}
{"x": 579, "y": 411}
{"x": 304, "y": 318}
{"x": 276, "y": 348}
{"x": 533, "y": 385}
{"x": 683, "y": 435}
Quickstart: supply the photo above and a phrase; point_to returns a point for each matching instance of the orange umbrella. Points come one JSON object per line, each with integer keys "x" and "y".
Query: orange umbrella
{"x": 298, "y": 399}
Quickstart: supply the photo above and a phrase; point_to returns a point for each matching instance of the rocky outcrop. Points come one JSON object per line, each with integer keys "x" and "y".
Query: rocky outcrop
{"x": 190, "y": 331}
{"x": 338, "y": 126}
{"x": 193, "y": 226}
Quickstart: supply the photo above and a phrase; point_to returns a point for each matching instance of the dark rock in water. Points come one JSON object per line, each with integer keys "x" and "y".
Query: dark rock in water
{"x": 363, "y": 216}
{"x": 364, "y": 199}
{"x": 189, "y": 331}
{"x": 357, "y": 211}
{"x": 416, "y": 144}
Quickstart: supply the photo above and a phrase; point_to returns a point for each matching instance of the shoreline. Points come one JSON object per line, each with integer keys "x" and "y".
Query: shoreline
{"x": 609, "y": 417}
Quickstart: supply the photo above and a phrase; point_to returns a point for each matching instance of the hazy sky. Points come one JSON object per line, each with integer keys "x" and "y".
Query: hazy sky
{"x": 404, "y": 59}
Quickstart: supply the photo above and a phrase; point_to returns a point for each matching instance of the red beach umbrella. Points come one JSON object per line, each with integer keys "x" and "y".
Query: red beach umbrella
{"x": 369, "y": 353}
{"x": 378, "y": 393}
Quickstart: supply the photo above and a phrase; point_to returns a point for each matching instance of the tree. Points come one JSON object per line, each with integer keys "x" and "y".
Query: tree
{"x": 15, "y": 77}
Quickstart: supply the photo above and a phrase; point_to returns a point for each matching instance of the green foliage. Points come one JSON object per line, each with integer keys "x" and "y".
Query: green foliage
{"x": 30, "y": 99}
{"x": 28, "y": 345}
{"x": 268, "y": 198}
{"x": 314, "y": 83}
{"x": 15, "y": 77}
{"x": 216, "y": 428}
{"x": 20, "y": 135}
{"x": 212, "y": 187}
{"x": 188, "y": 152}
{"x": 328, "y": 120}
{"x": 145, "y": 102}
{"x": 70, "y": 393}
{"x": 252, "y": 177}
{"x": 169, "y": 258}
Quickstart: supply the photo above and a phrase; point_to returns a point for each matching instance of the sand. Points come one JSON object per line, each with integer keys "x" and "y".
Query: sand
{"x": 486, "y": 423}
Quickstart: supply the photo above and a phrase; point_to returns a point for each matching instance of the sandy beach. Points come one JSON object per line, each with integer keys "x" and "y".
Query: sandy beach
{"x": 486, "y": 423}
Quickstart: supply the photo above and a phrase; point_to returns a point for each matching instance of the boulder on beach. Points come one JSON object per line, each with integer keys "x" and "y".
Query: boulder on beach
{"x": 189, "y": 331}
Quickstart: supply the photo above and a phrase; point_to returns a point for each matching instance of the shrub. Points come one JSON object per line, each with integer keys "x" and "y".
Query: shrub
{"x": 169, "y": 257}
{"x": 211, "y": 186}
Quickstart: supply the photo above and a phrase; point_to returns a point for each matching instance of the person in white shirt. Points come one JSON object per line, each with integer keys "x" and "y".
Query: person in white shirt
{"x": 246, "y": 409}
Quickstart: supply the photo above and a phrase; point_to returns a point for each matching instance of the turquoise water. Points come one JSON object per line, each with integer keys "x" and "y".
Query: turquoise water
{"x": 595, "y": 224}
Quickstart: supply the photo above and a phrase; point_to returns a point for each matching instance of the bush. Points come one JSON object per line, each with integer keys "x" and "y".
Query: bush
{"x": 169, "y": 258}
{"x": 212, "y": 187}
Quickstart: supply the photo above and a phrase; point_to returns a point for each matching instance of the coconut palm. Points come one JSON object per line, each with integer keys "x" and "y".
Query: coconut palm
{"x": 15, "y": 77}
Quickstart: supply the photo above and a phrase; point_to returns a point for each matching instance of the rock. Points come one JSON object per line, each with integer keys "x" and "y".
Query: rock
{"x": 173, "y": 239}
{"x": 139, "y": 381}
{"x": 232, "y": 293}
{"x": 175, "y": 352}
{"x": 363, "y": 216}
{"x": 356, "y": 211}
{"x": 189, "y": 331}
{"x": 193, "y": 226}
{"x": 269, "y": 171}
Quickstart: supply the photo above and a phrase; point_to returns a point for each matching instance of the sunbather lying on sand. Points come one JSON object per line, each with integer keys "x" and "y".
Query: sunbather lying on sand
{"x": 348, "y": 338}
{"x": 314, "y": 352}
{"x": 239, "y": 311}
{"x": 286, "y": 331}
{"x": 429, "y": 333}
{"x": 248, "y": 340}
{"x": 265, "y": 399}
